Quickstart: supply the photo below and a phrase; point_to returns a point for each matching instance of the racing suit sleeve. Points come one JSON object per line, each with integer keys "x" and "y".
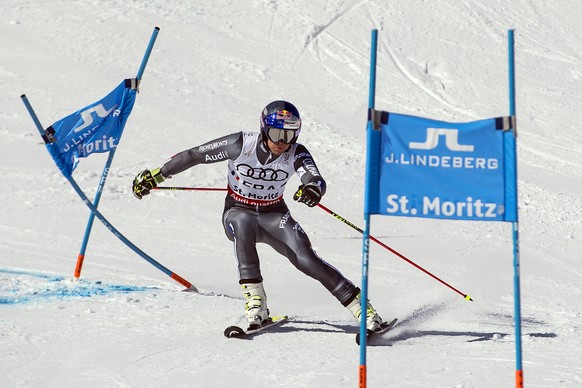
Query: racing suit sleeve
{"x": 217, "y": 150}
{"x": 307, "y": 169}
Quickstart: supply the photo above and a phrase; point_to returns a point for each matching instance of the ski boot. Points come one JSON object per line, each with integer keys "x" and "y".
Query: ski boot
{"x": 256, "y": 309}
{"x": 373, "y": 320}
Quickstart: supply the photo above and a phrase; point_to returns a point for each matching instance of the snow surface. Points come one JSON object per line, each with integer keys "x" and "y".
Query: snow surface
{"x": 214, "y": 66}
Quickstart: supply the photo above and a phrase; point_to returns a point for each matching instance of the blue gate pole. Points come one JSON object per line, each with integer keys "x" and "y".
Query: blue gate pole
{"x": 366, "y": 239}
{"x": 515, "y": 227}
{"x": 105, "y": 173}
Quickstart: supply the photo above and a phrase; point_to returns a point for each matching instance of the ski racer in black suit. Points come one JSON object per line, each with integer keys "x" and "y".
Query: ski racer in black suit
{"x": 259, "y": 167}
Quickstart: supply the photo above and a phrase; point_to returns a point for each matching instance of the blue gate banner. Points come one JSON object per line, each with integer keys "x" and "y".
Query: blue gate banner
{"x": 435, "y": 169}
{"x": 95, "y": 128}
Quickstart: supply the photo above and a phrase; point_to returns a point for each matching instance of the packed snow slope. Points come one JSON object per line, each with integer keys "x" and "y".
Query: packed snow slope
{"x": 214, "y": 66}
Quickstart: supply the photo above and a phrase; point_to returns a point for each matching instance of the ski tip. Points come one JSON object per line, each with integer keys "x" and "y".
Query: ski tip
{"x": 468, "y": 298}
{"x": 234, "y": 332}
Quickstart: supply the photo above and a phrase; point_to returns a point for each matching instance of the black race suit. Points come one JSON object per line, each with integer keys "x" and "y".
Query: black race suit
{"x": 255, "y": 211}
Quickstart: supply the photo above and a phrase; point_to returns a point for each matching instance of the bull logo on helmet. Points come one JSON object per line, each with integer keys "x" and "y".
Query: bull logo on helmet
{"x": 283, "y": 115}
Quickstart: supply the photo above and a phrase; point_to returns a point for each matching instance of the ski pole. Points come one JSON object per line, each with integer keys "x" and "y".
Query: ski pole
{"x": 189, "y": 188}
{"x": 393, "y": 251}
{"x": 337, "y": 216}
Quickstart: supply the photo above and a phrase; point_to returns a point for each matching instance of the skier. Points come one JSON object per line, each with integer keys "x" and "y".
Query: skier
{"x": 259, "y": 166}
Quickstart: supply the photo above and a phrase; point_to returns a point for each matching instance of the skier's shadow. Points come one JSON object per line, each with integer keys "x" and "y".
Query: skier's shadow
{"x": 395, "y": 336}
{"x": 400, "y": 332}
{"x": 322, "y": 327}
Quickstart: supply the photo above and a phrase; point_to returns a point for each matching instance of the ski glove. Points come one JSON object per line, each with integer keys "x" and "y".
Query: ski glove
{"x": 146, "y": 181}
{"x": 309, "y": 194}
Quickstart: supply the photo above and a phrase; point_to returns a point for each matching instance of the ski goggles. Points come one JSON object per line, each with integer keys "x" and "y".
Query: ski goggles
{"x": 277, "y": 135}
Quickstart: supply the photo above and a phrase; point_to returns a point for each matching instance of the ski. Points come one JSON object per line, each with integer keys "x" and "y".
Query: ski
{"x": 238, "y": 332}
{"x": 384, "y": 328}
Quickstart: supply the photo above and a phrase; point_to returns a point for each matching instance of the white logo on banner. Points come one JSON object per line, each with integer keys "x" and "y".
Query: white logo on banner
{"x": 88, "y": 119}
{"x": 451, "y": 140}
